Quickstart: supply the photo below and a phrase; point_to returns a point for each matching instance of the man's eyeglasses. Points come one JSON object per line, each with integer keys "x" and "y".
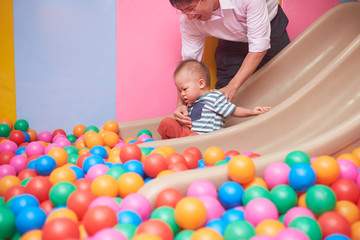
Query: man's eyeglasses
{"x": 189, "y": 11}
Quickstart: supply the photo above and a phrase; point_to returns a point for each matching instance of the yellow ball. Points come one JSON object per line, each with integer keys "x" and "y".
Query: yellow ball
{"x": 241, "y": 169}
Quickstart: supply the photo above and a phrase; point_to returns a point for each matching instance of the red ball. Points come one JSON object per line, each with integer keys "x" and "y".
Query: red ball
{"x": 47, "y": 206}
{"x": 39, "y": 187}
{"x": 83, "y": 184}
{"x": 58, "y": 131}
{"x": 79, "y": 202}
{"x": 153, "y": 164}
{"x": 17, "y": 136}
{"x": 333, "y": 222}
{"x": 98, "y": 218}
{"x": 192, "y": 160}
{"x": 156, "y": 227}
{"x": 81, "y": 159}
{"x": 168, "y": 197}
{"x": 195, "y": 151}
{"x": 5, "y": 157}
{"x": 130, "y": 152}
{"x": 26, "y": 173}
{"x": 59, "y": 229}
{"x": 178, "y": 167}
{"x": 175, "y": 158}
{"x": 13, "y": 192}
{"x": 232, "y": 153}
{"x": 346, "y": 189}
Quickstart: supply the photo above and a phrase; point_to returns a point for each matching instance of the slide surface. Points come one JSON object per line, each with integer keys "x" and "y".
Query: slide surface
{"x": 313, "y": 87}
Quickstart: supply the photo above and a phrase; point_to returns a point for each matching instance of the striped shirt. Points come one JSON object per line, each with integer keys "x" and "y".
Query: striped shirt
{"x": 209, "y": 111}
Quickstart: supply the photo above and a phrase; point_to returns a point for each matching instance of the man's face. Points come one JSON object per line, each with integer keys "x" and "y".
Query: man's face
{"x": 197, "y": 9}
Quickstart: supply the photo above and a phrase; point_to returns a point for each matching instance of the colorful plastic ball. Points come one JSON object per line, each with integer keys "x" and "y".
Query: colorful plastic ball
{"x": 79, "y": 130}
{"x": 232, "y": 215}
{"x": 241, "y": 169}
{"x": 44, "y": 165}
{"x": 112, "y": 126}
{"x": 201, "y": 187}
{"x": 206, "y": 234}
{"x": 19, "y": 151}
{"x": 346, "y": 189}
{"x": 155, "y": 227}
{"x": 96, "y": 171}
{"x": 13, "y": 192}
{"x": 78, "y": 172}
{"x": 337, "y": 237}
{"x": 30, "y": 218}
{"x": 60, "y": 228}
{"x": 127, "y": 229}
{"x": 39, "y": 187}
{"x": 22, "y": 202}
{"x": 26, "y": 173}
{"x": 260, "y": 209}
{"x": 83, "y": 184}
{"x": 58, "y": 131}
{"x": 7, "y": 223}
{"x": 284, "y": 197}
{"x": 212, "y": 155}
{"x": 116, "y": 172}
{"x": 137, "y": 203}
{"x": 269, "y": 227}
{"x": 239, "y": 230}
{"x": 297, "y": 212}
{"x": 8, "y": 146}
{"x": 34, "y": 148}
{"x": 30, "y": 235}
{"x": 291, "y": 234}
{"x": 79, "y": 201}
{"x": 190, "y": 213}
{"x": 355, "y": 230}
{"x": 217, "y": 224}
{"x": 145, "y": 236}
{"x": 62, "y": 174}
{"x": 130, "y": 217}
{"x": 109, "y": 234}
{"x": 62, "y": 213}
{"x": 301, "y": 177}
{"x": 153, "y": 164}
{"x": 134, "y": 166}
{"x": 4, "y": 130}
{"x": 5, "y": 157}
{"x": 91, "y": 161}
{"x": 297, "y": 157}
{"x": 111, "y": 139}
{"x": 276, "y": 173}
{"x": 230, "y": 194}
{"x": 98, "y": 218}
{"x": 130, "y": 152}
{"x": 7, "y": 170}
{"x": 17, "y": 136}
{"x": 45, "y": 136}
{"x": 144, "y": 131}
{"x": 128, "y": 183}
{"x": 60, "y": 156}
{"x": 60, "y": 192}
{"x": 320, "y": 199}
{"x": 334, "y": 223}
{"x": 168, "y": 197}
{"x": 167, "y": 215}
{"x": 349, "y": 210}
{"x": 104, "y": 185}
{"x": 348, "y": 169}
{"x": 99, "y": 151}
{"x": 327, "y": 170}
{"x": 106, "y": 201}
{"x": 307, "y": 225}
{"x": 255, "y": 192}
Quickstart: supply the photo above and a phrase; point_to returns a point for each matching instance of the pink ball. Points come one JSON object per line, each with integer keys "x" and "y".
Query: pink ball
{"x": 276, "y": 173}
{"x": 58, "y": 136}
{"x": 8, "y": 146}
{"x": 297, "y": 212}
{"x": 213, "y": 207}
{"x": 51, "y": 146}
{"x": 260, "y": 209}
{"x": 96, "y": 171}
{"x": 119, "y": 144}
{"x": 348, "y": 169}
{"x": 200, "y": 188}
{"x": 63, "y": 142}
{"x": 246, "y": 153}
{"x": 138, "y": 203}
{"x": 45, "y": 136}
{"x": 18, "y": 162}
{"x": 143, "y": 137}
{"x": 6, "y": 170}
{"x": 109, "y": 234}
{"x": 312, "y": 159}
{"x": 291, "y": 234}
{"x": 261, "y": 237}
{"x": 34, "y": 148}
{"x": 105, "y": 201}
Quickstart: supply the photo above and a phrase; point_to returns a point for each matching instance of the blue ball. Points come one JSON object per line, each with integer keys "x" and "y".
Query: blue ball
{"x": 128, "y": 216}
{"x": 217, "y": 225}
{"x": 230, "y": 194}
{"x": 44, "y": 165}
{"x": 99, "y": 151}
{"x": 29, "y": 219}
{"x": 337, "y": 237}
{"x": 201, "y": 163}
{"x": 78, "y": 172}
{"x": 91, "y": 161}
{"x": 134, "y": 166}
{"x": 27, "y": 136}
{"x": 20, "y": 150}
{"x": 301, "y": 177}
{"x": 232, "y": 215}
{"x": 23, "y": 201}
{"x": 31, "y": 165}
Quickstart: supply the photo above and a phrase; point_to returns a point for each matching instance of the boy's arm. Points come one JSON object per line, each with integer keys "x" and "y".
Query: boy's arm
{"x": 245, "y": 112}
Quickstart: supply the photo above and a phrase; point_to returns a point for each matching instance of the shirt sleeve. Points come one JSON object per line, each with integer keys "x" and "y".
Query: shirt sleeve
{"x": 193, "y": 42}
{"x": 223, "y": 107}
{"x": 258, "y": 25}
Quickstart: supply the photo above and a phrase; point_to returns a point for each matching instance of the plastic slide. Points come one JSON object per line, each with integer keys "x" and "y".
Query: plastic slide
{"x": 313, "y": 87}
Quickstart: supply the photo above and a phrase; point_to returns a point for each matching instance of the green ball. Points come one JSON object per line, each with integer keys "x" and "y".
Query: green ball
{"x": 60, "y": 192}
{"x": 239, "y": 229}
{"x": 21, "y": 125}
{"x": 144, "y": 131}
{"x": 71, "y": 138}
{"x": 4, "y": 130}
{"x": 255, "y": 192}
{"x": 167, "y": 215}
{"x": 284, "y": 197}
{"x": 281, "y": 218}
{"x": 2, "y": 202}
{"x": 184, "y": 235}
{"x": 71, "y": 149}
{"x": 72, "y": 158}
{"x": 115, "y": 172}
{"x": 307, "y": 225}
{"x": 127, "y": 229}
{"x": 320, "y": 198}
{"x": 91, "y": 128}
{"x": 146, "y": 151}
{"x": 297, "y": 157}
{"x": 25, "y": 181}
{"x": 16, "y": 236}
{"x": 222, "y": 162}
{"x": 7, "y": 223}
{"x": 118, "y": 200}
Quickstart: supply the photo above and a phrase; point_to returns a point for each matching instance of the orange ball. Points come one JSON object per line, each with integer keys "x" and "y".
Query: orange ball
{"x": 156, "y": 227}
{"x": 112, "y": 126}
{"x": 256, "y": 182}
{"x": 33, "y": 135}
{"x": 190, "y": 213}
{"x": 356, "y": 153}
{"x": 60, "y": 156}
{"x": 110, "y": 139}
{"x": 164, "y": 172}
{"x": 349, "y": 210}
{"x": 7, "y": 182}
{"x": 302, "y": 200}
{"x": 129, "y": 182}
{"x": 62, "y": 174}
{"x": 80, "y": 144}
{"x": 269, "y": 227}
{"x": 8, "y": 122}
{"x": 32, "y": 235}
{"x": 351, "y": 157}
{"x": 62, "y": 213}
{"x": 146, "y": 236}
{"x": 104, "y": 185}
{"x": 241, "y": 169}
{"x": 161, "y": 151}
{"x": 168, "y": 149}
{"x": 79, "y": 130}
{"x": 206, "y": 234}
{"x": 83, "y": 151}
{"x": 327, "y": 170}
{"x": 114, "y": 158}
{"x": 212, "y": 155}
{"x": 355, "y": 231}
{"x": 93, "y": 140}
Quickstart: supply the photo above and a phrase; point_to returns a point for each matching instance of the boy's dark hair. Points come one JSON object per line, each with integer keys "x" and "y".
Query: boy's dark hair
{"x": 176, "y": 3}
{"x": 195, "y": 67}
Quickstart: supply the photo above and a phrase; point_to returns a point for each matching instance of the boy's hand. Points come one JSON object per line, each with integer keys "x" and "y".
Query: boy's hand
{"x": 260, "y": 110}
{"x": 181, "y": 115}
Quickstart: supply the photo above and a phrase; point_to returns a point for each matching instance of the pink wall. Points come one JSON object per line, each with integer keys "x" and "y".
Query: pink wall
{"x": 148, "y": 50}
{"x": 302, "y": 13}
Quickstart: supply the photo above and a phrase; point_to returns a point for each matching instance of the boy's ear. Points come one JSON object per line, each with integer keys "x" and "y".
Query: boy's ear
{"x": 202, "y": 83}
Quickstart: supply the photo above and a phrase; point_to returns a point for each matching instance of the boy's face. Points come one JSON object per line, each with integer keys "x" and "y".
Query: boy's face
{"x": 189, "y": 86}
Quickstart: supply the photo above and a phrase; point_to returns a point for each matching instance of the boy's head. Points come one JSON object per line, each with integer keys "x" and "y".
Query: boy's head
{"x": 192, "y": 79}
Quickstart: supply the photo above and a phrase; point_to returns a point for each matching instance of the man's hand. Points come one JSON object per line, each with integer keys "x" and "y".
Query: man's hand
{"x": 229, "y": 91}
{"x": 181, "y": 115}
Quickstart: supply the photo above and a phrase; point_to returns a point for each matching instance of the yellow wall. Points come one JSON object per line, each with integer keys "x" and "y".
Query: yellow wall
{"x": 7, "y": 64}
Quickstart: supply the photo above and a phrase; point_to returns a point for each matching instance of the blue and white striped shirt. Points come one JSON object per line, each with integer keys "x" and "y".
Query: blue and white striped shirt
{"x": 208, "y": 113}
